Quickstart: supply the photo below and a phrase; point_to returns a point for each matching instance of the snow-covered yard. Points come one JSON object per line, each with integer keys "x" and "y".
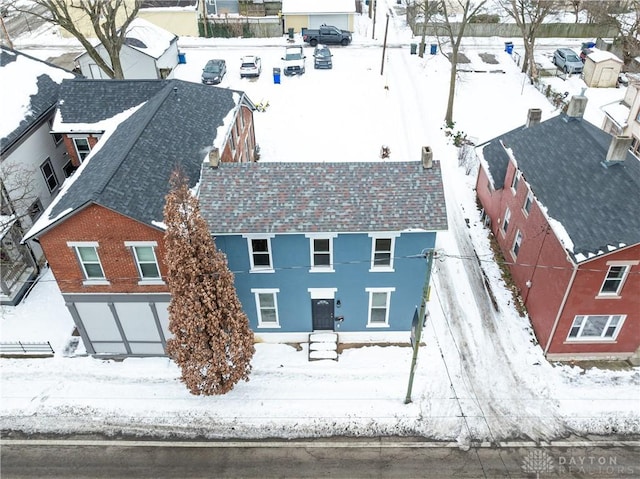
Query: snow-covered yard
{"x": 480, "y": 377}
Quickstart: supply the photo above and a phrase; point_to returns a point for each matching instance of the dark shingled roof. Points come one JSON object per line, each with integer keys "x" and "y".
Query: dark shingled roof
{"x": 321, "y": 197}
{"x": 41, "y": 104}
{"x": 561, "y": 159}
{"x": 129, "y": 171}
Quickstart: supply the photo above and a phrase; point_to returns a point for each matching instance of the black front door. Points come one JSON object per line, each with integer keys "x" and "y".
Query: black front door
{"x": 322, "y": 314}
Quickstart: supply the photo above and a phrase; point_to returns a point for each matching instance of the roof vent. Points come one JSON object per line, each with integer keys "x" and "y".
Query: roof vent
{"x": 577, "y": 107}
{"x": 214, "y": 157}
{"x": 533, "y": 117}
{"x": 617, "y": 150}
{"x": 427, "y": 157}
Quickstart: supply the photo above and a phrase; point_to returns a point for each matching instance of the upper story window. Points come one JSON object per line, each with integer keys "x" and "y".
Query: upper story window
{"x": 49, "y": 175}
{"x": 527, "y": 203}
{"x": 146, "y": 261}
{"x": 321, "y": 247}
{"x": 515, "y": 181}
{"x": 87, "y": 253}
{"x": 379, "y": 300}
{"x": 613, "y": 282}
{"x": 260, "y": 254}
{"x": 507, "y": 219}
{"x": 83, "y": 148}
{"x": 382, "y": 249}
{"x": 57, "y": 137}
{"x": 635, "y": 146}
{"x": 517, "y": 242}
{"x": 267, "y": 307}
{"x": 596, "y": 327}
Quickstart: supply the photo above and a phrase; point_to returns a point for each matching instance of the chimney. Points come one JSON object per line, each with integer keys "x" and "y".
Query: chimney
{"x": 533, "y": 117}
{"x": 617, "y": 150}
{"x": 214, "y": 157}
{"x": 427, "y": 157}
{"x": 577, "y": 106}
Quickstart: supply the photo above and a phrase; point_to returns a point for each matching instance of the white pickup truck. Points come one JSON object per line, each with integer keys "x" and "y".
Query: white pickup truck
{"x": 294, "y": 60}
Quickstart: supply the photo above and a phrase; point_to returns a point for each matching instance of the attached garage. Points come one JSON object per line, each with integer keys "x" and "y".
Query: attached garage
{"x": 299, "y": 14}
{"x": 601, "y": 69}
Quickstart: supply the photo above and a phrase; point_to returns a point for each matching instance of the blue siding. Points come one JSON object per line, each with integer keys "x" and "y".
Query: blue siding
{"x": 352, "y": 261}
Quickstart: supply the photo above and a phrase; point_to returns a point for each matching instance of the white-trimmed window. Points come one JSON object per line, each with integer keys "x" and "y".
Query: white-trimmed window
{"x": 382, "y": 248}
{"x": 517, "y": 243}
{"x": 506, "y": 220}
{"x": 87, "y": 253}
{"x": 57, "y": 137}
{"x": 260, "y": 253}
{"x": 379, "y": 299}
{"x": 267, "y": 307}
{"x": 515, "y": 181}
{"x": 83, "y": 148}
{"x": 321, "y": 247}
{"x": 49, "y": 175}
{"x": 613, "y": 282}
{"x": 146, "y": 261}
{"x": 598, "y": 327}
{"x": 526, "y": 208}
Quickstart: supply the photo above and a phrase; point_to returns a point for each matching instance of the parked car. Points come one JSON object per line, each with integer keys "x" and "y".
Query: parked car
{"x": 213, "y": 72}
{"x": 322, "y": 57}
{"x": 567, "y": 60}
{"x": 327, "y": 34}
{"x": 294, "y": 60}
{"x": 250, "y": 66}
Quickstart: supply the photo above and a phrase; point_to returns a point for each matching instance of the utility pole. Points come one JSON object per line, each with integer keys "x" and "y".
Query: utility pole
{"x": 375, "y": 9}
{"x": 384, "y": 45}
{"x": 421, "y": 319}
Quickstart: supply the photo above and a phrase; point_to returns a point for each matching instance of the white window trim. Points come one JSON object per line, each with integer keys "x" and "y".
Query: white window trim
{"x": 505, "y": 221}
{"x": 89, "y": 281}
{"x": 378, "y": 290}
{"x": 596, "y": 339}
{"x": 53, "y": 175}
{"x": 274, "y": 292}
{"x": 616, "y": 295}
{"x": 514, "y": 255}
{"x": 529, "y": 198}
{"x": 153, "y": 245}
{"x": 75, "y": 146}
{"x": 322, "y": 293}
{"x": 253, "y": 268}
{"x": 321, "y": 269}
{"x": 374, "y": 237}
{"x": 515, "y": 181}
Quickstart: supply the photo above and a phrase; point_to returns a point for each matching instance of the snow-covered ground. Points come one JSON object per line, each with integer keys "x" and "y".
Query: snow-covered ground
{"x": 481, "y": 375}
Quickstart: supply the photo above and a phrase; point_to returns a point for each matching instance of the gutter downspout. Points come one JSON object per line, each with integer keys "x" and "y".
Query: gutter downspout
{"x": 560, "y": 310}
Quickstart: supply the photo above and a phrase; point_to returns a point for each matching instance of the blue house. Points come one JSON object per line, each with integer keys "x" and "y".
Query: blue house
{"x": 336, "y": 246}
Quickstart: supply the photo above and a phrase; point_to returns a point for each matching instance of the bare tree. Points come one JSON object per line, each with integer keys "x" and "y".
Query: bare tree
{"x": 427, "y": 9}
{"x": 455, "y": 31}
{"x": 17, "y": 192}
{"x": 625, "y": 17}
{"x": 109, "y": 19}
{"x": 212, "y": 341}
{"x": 529, "y": 15}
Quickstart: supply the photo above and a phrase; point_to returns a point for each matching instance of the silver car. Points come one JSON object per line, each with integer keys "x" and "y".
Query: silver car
{"x": 567, "y": 60}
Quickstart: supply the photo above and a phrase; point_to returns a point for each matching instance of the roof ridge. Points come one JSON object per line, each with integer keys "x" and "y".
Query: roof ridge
{"x": 156, "y": 100}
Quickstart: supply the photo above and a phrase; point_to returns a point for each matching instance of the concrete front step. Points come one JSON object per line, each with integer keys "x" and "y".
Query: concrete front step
{"x": 323, "y": 346}
{"x": 323, "y": 355}
{"x": 323, "y": 337}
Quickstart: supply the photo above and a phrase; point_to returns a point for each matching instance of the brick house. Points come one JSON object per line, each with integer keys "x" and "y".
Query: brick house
{"x": 103, "y": 236}
{"x": 561, "y": 197}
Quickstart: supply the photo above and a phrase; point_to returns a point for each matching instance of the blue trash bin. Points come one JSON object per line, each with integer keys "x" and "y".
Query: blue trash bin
{"x": 182, "y": 58}
{"x": 276, "y": 76}
{"x": 508, "y": 47}
{"x": 434, "y": 48}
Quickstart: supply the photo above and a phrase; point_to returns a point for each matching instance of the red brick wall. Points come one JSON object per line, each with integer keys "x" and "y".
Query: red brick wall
{"x": 71, "y": 148}
{"x": 110, "y": 230}
{"x": 583, "y": 300}
{"x": 246, "y": 132}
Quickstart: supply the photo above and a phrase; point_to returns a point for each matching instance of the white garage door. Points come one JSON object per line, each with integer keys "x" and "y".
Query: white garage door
{"x": 339, "y": 20}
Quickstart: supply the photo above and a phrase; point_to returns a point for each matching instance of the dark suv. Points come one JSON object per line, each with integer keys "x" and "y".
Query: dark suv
{"x": 213, "y": 72}
{"x": 322, "y": 57}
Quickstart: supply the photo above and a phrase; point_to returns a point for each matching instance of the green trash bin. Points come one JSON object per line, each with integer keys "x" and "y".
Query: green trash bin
{"x": 414, "y": 48}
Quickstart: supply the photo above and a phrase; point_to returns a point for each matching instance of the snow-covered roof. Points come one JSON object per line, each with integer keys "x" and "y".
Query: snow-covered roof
{"x": 290, "y": 7}
{"x": 601, "y": 55}
{"x": 618, "y": 112}
{"x": 156, "y": 40}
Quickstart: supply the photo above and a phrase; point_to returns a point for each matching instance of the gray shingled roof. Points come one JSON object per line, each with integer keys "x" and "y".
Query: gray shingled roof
{"x": 41, "y": 104}
{"x": 130, "y": 171}
{"x": 322, "y": 197}
{"x": 561, "y": 159}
